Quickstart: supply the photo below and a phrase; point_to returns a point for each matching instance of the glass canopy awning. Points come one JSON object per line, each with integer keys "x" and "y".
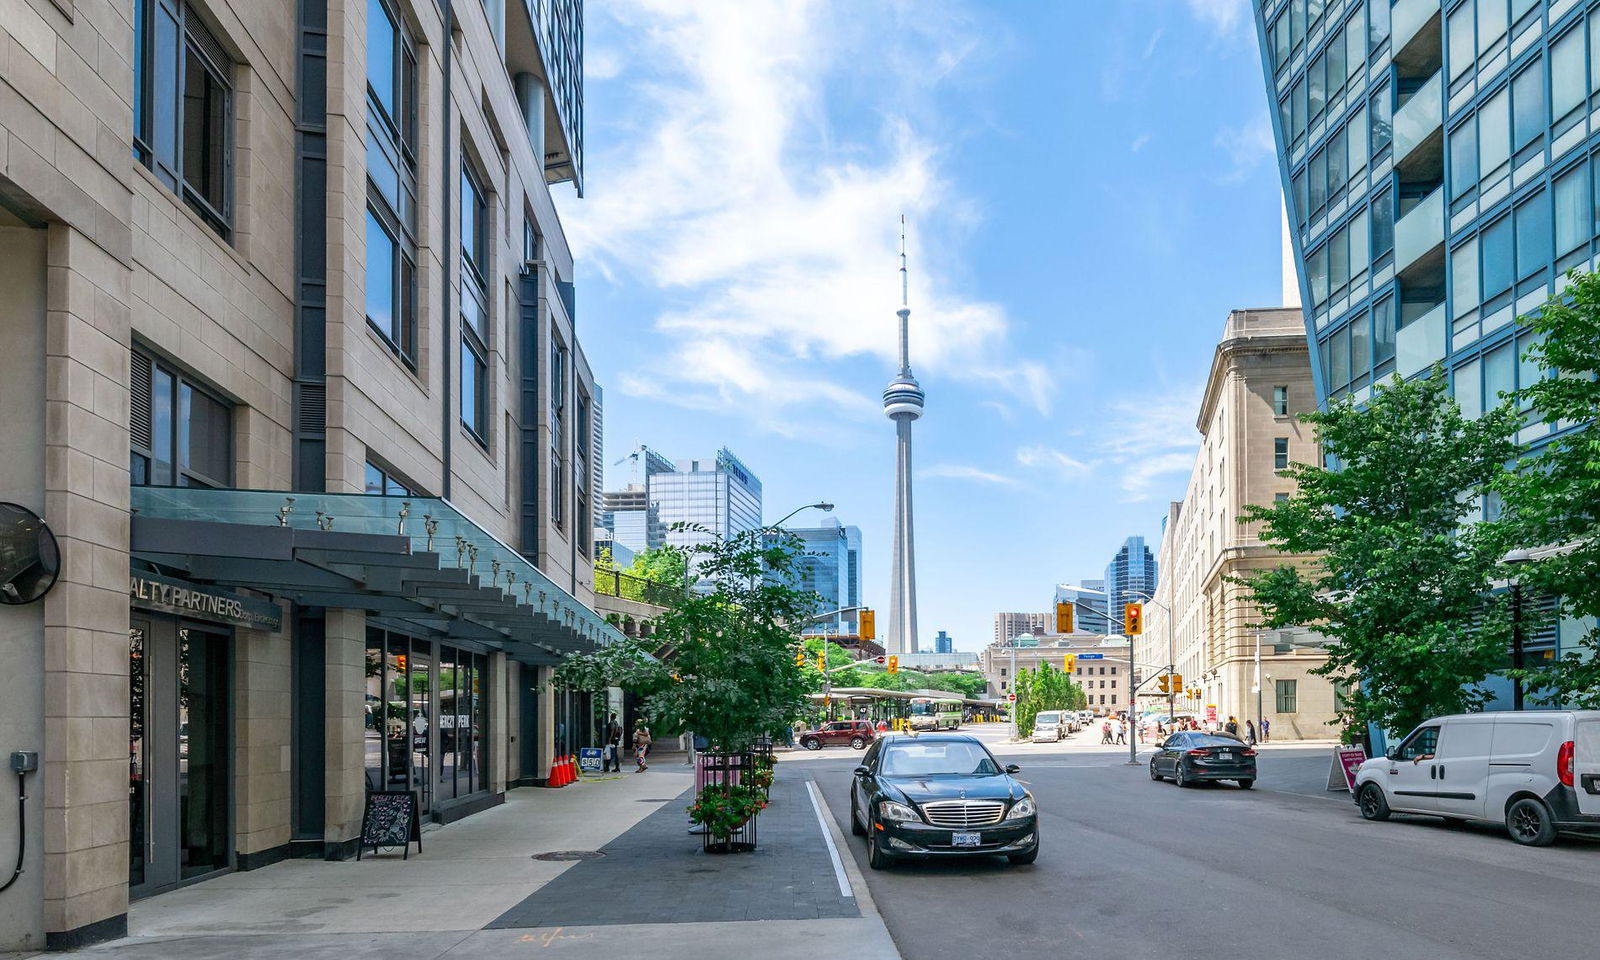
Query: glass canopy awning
{"x": 413, "y": 559}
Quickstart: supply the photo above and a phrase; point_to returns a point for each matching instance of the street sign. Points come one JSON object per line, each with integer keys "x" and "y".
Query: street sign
{"x": 880, "y": 661}
{"x": 1091, "y": 656}
{"x": 1011, "y": 698}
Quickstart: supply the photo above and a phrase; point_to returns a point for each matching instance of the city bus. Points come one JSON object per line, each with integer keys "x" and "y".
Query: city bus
{"x": 928, "y": 713}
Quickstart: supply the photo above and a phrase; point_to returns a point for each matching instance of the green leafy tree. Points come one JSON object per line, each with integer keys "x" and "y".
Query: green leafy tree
{"x": 732, "y": 678}
{"x": 1044, "y": 688}
{"x": 1555, "y": 499}
{"x": 1401, "y": 583}
{"x": 663, "y": 565}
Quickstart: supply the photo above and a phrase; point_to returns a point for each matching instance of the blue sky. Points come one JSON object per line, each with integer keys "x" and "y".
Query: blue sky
{"x": 1090, "y": 188}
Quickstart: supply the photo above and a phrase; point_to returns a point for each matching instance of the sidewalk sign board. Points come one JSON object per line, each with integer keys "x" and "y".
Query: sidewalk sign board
{"x": 591, "y": 759}
{"x": 1211, "y": 712}
{"x": 390, "y": 820}
{"x": 1342, "y": 773}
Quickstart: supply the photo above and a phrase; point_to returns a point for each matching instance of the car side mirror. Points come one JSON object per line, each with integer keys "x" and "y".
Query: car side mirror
{"x": 1013, "y": 768}
{"x": 1393, "y": 753}
{"x": 862, "y": 771}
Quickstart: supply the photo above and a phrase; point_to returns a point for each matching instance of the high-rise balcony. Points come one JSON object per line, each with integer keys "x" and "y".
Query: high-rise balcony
{"x": 1420, "y": 232}
{"x": 1408, "y": 20}
{"x": 1420, "y": 119}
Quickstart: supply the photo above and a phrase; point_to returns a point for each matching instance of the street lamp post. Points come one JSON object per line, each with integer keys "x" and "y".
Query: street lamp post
{"x": 1515, "y": 559}
{"x": 1172, "y": 656}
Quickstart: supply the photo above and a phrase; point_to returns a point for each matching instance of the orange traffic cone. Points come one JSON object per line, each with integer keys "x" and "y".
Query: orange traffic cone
{"x": 566, "y": 770}
{"x": 561, "y": 771}
{"x": 555, "y": 772}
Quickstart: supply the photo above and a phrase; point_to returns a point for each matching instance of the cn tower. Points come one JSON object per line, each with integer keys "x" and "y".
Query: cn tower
{"x": 902, "y": 403}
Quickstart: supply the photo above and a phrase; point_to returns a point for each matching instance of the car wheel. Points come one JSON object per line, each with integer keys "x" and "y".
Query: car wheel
{"x": 1023, "y": 859}
{"x": 1153, "y": 775}
{"x": 856, "y": 830}
{"x": 811, "y": 744}
{"x": 1530, "y": 824}
{"x": 858, "y": 743}
{"x": 877, "y": 857}
{"x": 1246, "y": 784}
{"x": 1374, "y": 806}
{"x": 1179, "y": 777}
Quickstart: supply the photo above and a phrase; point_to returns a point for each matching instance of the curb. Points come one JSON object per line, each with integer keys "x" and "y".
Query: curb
{"x": 852, "y": 871}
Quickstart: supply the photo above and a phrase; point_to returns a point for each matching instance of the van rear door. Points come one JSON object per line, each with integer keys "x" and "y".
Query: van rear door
{"x": 1586, "y": 766}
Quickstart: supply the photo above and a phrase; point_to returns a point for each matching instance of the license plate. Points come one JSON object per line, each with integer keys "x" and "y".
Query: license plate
{"x": 966, "y": 839}
{"x": 1225, "y": 755}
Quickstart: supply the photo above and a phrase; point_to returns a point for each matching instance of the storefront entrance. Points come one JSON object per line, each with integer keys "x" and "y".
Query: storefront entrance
{"x": 180, "y": 749}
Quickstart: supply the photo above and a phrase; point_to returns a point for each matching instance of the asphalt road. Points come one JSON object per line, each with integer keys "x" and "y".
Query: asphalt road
{"x": 1131, "y": 868}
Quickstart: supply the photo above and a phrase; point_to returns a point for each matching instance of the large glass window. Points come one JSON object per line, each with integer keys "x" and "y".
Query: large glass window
{"x": 1288, "y": 698}
{"x": 1382, "y": 334}
{"x": 558, "y": 416}
{"x": 1491, "y": 23}
{"x": 1318, "y": 265}
{"x": 181, "y": 434}
{"x": 1533, "y": 234}
{"x": 1469, "y": 389}
{"x": 1280, "y": 452}
{"x": 1383, "y": 222}
{"x": 1382, "y": 113}
{"x": 183, "y": 108}
{"x": 1360, "y": 349}
{"x": 1529, "y": 115}
{"x": 1317, "y": 91}
{"x": 1338, "y": 172}
{"x": 474, "y": 307}
{"x": 1497, "y": 265}
{"x": 1463, "y": 159}
{"x": 1499, "y": 373}
{"x": 1567, "y": 81}
{"x": 1464, "y": 277}
{"x": 1360, "y": 255}
{"x": 1494, "y": 133}
{"x": 391, "y": 181}
{"x": 1319, "y": 181}
{"x": 1572, "y": 211}
{"x": 1280, "y": 42}
{"x": 1461, "y": 45}
{"x": 1377, "y": 23}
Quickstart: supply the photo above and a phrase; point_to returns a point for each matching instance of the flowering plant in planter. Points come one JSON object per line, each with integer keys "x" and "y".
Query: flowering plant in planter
{"x": 761, "y": 777}
{"x": 724, "y": 808}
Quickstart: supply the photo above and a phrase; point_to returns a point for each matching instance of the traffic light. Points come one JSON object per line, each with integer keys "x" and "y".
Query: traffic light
{"x": 1161, "y": 683}
{"x": 1133, "y": 619}
{"x": 1064, "y": 617}
{"x": 822, "y": 659}
{"x": 869, "y": 625}
{"x": 1068, "y": 662}
{"x": 1177, "y": 683}
{"x": 894, "y": 664}
{"x": 800, "y": 657}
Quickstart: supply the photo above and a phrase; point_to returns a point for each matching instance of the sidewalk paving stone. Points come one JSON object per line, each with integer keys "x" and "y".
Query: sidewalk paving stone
{"x": 656, "y": 873}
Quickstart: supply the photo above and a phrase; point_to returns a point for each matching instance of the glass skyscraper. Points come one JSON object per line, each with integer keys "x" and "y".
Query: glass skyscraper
{"x": 1130, "y": 578}
{"x": 831, "y": 566}
{"x": 720, "y": 495}
{"x": 1088, "y": 602}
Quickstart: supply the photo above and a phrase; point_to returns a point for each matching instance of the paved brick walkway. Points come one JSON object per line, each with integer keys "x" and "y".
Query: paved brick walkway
{"x": 656, "y": 873}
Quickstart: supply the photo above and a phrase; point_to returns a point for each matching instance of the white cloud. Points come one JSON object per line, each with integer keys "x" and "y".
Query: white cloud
{"x": 1223, "y": 16}
{"x": 1246, "y": 147}
{"x": 1139, "y": 142}
{"x": 1151, "y": 438}
{"x": 956, "y": 471}
{"x": 769, "y": 230}
{"x": 1066, "y": 466}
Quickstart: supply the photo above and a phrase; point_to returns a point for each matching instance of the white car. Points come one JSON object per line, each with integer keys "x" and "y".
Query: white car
{"x": 1050, "y": 726}
{"x": 1536, "y": 771}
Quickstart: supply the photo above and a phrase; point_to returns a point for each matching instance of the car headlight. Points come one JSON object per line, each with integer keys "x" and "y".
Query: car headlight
{"x": 1022, "y": 808}
{"x": 889, "y": 810}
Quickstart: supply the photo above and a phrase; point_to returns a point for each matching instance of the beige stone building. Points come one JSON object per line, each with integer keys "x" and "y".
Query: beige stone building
{"x": 289, "y": 366}
{"x": 1260, "y": 380}
{"x": 1101, "y": 665}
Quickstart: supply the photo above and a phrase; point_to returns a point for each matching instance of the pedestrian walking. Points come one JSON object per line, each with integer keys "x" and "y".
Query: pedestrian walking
{"x": 1232, "y": 726}
{"x": 613, "y": 756}
{"x": 1105, "y": 732}
{"x": 1122, "y": 733}
{"x": 1266, "y": 730}
{"x": 641, "y": 747}
{"x": 1250, "y": 732}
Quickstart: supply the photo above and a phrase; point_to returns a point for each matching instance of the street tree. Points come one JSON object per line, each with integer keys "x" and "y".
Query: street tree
{"x": 1402, "y": 582}
{"x": 1554, "y": 500}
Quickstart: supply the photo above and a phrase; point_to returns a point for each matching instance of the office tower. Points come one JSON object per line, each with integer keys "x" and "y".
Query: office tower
{"x": 1130, "y": 577}
{"x": 1009, "y": 626}
{"x": 830, "y": 565}
{"x": 1089, "y": 605}
{"x": 720, "y": 496}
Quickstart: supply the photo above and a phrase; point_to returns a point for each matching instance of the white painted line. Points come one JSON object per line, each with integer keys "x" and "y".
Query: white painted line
{"x": 827, "y": 837}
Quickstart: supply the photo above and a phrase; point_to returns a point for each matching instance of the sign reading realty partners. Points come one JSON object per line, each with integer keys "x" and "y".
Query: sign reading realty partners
{"x": 152, "y": 592}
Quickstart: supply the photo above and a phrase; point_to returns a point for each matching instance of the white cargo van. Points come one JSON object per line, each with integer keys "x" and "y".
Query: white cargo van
{"x": 1050, "y": 726}
{"x": 1536, "y": 771}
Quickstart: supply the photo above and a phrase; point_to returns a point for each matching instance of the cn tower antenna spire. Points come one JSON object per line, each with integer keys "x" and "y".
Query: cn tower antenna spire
{"x": 902, "y": 402}
{"x": 905, "y": 306}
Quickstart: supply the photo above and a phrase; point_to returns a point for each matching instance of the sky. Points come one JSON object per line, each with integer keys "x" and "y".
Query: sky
{"x": 1089, "y": 187}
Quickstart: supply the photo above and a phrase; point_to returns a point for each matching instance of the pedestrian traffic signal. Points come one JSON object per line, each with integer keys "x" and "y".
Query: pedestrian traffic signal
{"x": 869, "y": 625}
{"x": 894, "y": 664}
{"x": 1133, "y": 619}
{"x": 1161, "y": 683}
{"x": 1063, "y": 617}
{"x": 1177, "y": 683}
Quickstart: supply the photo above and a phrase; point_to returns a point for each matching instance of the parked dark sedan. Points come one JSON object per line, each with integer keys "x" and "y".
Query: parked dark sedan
{"x": 940, "y": 795}
{"x": 1192, "y": 756}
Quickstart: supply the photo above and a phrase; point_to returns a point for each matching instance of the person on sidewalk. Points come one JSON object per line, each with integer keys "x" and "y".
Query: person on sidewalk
{"x": 613, "y": 758}
{"x": 1250, "y": 732}
{"x": 641, "y": 746}
{"x": 1122, "y": 733}
{"x": 1232, "y": 726}
{"x": 1105, "y": 732}
{"x": 1266, "y": 730}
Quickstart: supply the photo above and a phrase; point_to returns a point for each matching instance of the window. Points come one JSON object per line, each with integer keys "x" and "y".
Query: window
{"x": 1533, "y": 234}
{"x": 1360, "y": 254}
{"x": 183, "y": 108}
{"x": 1280, "y": 453}
{"x": 1280, "y": 42}
{"x": 1491, "y": 23}
{"x": 1319, "y": 181}
{"x": 1337, "y": 349}
{"x": 1280, "y": 401}
{"x": 1377, "y": 24}
{"x": 1468, "y": 388}
{"x": 381, "y": 482}
{"x": 1420, "y": 744}
{"x": 1494, "y": 134}
{"x": 391, "y": 182}
{"x": 1572, "y": 215}
{"x": 1499, "y": 373}
{"x": 181, "y": 434}
{"x": 1528, "y": 113}
{"x": 1496, "y": 261}
{"x": 1288, "y": 696}
{"x": 1383, "y": 222}
{"x": 1461, "y": 41}
{"x": 1383, "y": 328}
{"x": 1317, "y": 90}
{"x": 1463, "y": 159}
{"x": 1464, "y": 284}
{"x": 580, "y": 475}
{"x": 1567, "y": 86}
{"x": 558, "y": 410}
{"x": 1360, "y": 349}
{"x": 1280, "y": 498}
{"x": 474, "y": 307}
{"x": 1382, "y": 113}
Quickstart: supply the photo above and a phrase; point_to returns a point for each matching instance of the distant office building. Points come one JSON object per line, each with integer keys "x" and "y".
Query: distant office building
{"x": 1103, "y": 674}
{"x": 1130, "y": 577}
{"x": 604, "y": 544}
{"x": 1008, "y": 626}
{"x": 632, "y": 520}
{"x": 720, "y": 496}
{"x": 830, "y": 565}
{"x": 1089, "y": 605}
{"x": 944, "y": 643}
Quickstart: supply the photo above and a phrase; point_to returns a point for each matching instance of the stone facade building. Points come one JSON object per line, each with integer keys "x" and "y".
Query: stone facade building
{"x": 1260, "y": 380}
{"x": 290, "y": 368}
{"x": 1104, "y": 676}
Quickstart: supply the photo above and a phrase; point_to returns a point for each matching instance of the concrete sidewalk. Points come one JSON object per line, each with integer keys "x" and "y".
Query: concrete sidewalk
{"x": 480, "y": 873}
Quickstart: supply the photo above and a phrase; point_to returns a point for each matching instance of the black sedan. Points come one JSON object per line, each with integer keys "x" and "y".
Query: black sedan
{"x": 940, "y": 795}
{"x": 1192, "y": 756}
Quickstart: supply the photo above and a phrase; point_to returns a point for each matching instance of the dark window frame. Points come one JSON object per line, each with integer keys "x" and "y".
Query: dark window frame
{"x": 392, "y": 142}
{"x": 475, "y": 338}
{"x": 150, "y": 373}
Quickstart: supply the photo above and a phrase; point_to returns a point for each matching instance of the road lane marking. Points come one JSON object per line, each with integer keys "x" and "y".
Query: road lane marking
{"x": 827, "y": 837}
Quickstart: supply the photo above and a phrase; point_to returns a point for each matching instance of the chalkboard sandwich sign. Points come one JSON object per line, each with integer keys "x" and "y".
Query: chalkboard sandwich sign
{"x": 390, "y": 820}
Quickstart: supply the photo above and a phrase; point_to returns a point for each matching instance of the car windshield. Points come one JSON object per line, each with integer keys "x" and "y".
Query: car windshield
{"x": 1212, "y": 740}
{"x": 1047, "y": 718}
{"x": 953, "y": 758}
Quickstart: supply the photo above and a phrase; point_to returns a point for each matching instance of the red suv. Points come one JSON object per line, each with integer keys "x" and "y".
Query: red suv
{"x": 857, "y": 733}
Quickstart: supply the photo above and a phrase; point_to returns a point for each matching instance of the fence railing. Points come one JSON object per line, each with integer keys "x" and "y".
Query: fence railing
{"x": 626, "y": 586}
